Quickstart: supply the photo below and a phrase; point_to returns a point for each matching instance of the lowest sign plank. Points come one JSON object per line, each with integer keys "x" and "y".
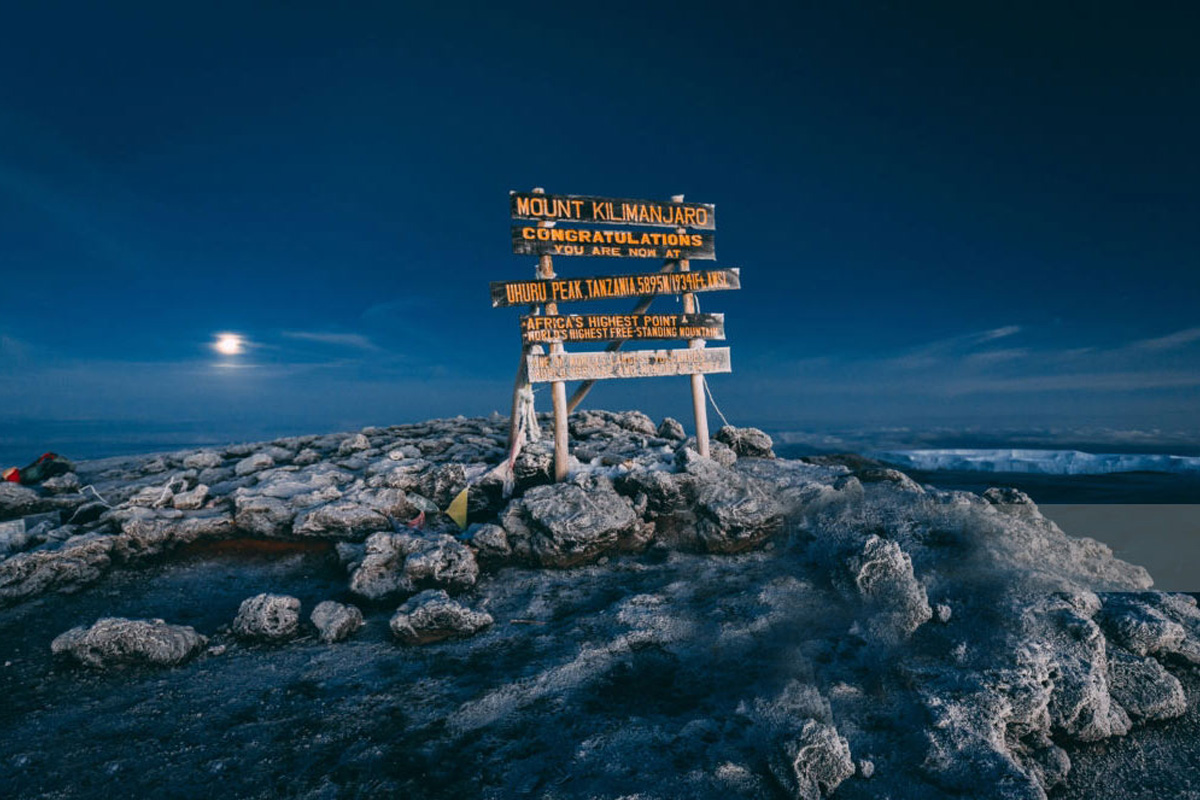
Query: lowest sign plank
{"x": 636, "y": 364}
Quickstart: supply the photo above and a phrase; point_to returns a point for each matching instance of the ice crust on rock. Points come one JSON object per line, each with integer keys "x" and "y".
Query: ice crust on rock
{"x": 115, "y": 642}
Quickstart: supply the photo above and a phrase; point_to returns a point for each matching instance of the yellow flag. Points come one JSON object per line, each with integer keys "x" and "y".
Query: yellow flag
{"x": 458, "y": 510}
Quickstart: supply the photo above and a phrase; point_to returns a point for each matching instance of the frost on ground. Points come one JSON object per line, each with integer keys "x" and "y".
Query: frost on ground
{"x": 662, "y": 626}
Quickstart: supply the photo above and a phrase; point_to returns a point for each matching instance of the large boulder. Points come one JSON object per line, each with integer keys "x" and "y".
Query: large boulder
{"x": 432, "y": 616}
{"x": 405, "y": 562}
{"x": 268, "y": 617}
{"x": 114, "y": 642}
{"x": 565, "y": 524}
{"x": 336, "y": 621}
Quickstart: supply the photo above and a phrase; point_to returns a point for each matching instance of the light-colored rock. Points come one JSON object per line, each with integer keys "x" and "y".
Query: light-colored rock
{"x": 263, "y": 516}
{"x": 256, "y": 462}
{"x": 342, "y": 519}
{"x": 203, "y": 459}
{"x": 815, "y": 763}
{"x": 746, "y": 442}
{"x": 268, "y": 617}
{"x": 336, "y": 621}
{"x": 562, "y": 525}
{"x": 114, "y": 642}
{"x": 192, "y": 500}
{"x": 354, "y": 444}
{"x": 404, "y": 562}
{"x": 432, "y": 616}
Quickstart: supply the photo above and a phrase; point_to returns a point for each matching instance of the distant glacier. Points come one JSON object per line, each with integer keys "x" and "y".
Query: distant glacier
{"x": 1043, "y": 462}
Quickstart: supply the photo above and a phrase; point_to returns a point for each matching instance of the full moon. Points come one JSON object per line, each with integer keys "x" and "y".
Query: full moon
{"x": 228, "y": 344}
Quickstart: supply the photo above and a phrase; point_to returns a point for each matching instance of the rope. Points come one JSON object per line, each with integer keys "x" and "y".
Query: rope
{"x": 713, "y": 400}
{"x": 98, "y": 497}
{"x": 104, "y": 502}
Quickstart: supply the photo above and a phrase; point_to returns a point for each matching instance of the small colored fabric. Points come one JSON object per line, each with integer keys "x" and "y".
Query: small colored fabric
{"x": 47, "y": 466}
{"x": 12, "y": 475}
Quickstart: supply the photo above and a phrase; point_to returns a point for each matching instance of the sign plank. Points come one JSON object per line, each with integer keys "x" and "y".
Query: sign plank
{"x": 528, "y": 240}
{"x": 619, "y": 327}
{"x": 630, "y": 364}
{"x": 560, "y": 290}
{"x": 612, "y": 210}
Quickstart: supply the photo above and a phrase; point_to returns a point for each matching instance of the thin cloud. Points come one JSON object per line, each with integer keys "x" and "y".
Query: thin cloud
{"x": 999, "y": 333}
{"x": 1168, "y": 342}
{"x": 1087, "y": 382}
{"x": 998, "y": 356}
{"x": 352, "y": 340}
{"x": 931, "y": 354}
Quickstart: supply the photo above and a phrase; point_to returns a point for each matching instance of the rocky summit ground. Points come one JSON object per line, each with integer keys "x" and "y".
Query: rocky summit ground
{"x": 298, "y": 618}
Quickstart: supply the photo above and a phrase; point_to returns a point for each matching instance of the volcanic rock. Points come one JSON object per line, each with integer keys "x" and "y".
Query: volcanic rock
{"x": 336, "y": 621}
{"x": 432, "y": 616}
{"x": 268, "y": 617}
{"x": 562, "y": 525}
{"x": 746, "y": 442}
{"x": 255, "y": 462}
{"x": 114, "y": 642}
{"x": 405, "y": 562}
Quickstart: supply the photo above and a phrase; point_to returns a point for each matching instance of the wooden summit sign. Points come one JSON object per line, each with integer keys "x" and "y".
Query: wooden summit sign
{"x": 687, "y": 238}
{"x": 618, "y": 327}
{"x": 566, "y": 290}
{"x": 528, "y": 240}
{"x": 636, "y": 364}
{"x": 610, "y": 211}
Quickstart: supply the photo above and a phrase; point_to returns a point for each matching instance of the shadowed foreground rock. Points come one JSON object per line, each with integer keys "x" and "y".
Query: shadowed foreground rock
{"x": 115, "y": 642}
{"x": 432, "y": 616}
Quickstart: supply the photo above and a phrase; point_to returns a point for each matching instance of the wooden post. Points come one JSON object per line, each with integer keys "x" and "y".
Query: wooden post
{"x": 558, "y": 389}
{"x": 699, "y": 404}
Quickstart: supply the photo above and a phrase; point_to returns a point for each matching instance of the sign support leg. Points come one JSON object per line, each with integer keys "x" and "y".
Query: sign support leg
{"x": 699, "y": 405}
{"x": 559, "y": 391}
{"x": 545, "y": 271}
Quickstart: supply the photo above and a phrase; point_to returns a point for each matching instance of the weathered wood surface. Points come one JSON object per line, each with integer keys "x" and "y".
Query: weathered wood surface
{"x": 617, "y": 327}
{"x": 540, "y": 292}
{"x": 528, "y": 240}
{"x": 631, "y": 364}
{"x": 612, "y": 210}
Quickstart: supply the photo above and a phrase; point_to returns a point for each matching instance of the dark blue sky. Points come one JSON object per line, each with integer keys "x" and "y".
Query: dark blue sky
{"x": 969, "y": 214}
